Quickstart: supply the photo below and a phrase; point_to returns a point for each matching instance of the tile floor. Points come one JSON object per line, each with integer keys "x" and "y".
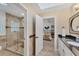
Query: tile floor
{"x": 7, "y": 53}
{"x": 4, "y": 52}
{"x": 48, "y": 49}
{"x": 18, "y": 49}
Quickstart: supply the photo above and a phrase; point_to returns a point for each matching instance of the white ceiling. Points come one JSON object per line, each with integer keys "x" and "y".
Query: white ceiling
{"x": 48, "y": 5}
{"x": 12, "y": 8}
{"x": 39, "y": 7}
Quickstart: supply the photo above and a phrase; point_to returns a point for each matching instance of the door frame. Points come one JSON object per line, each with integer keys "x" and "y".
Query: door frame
{"x": 26, "y": 37}
{"x": 55, "y": 31}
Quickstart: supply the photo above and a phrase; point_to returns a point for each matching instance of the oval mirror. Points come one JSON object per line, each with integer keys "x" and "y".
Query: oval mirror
{"x": 74, "y": 24}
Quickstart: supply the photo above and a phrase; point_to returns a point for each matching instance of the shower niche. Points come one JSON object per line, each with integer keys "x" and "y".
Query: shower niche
{"x": 15, "y": 34}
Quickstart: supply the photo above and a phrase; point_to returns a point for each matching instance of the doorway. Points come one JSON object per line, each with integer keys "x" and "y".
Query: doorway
{"x": 48, "y": 37}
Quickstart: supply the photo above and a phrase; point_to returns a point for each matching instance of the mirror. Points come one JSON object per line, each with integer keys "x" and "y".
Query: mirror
{"x": 74, "y": 24}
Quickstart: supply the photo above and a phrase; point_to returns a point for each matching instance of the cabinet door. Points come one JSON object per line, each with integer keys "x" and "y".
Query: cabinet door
{"x": 67, "y": 51}
{"x": 60, "y": 47}
{"x": 63, "y": 49}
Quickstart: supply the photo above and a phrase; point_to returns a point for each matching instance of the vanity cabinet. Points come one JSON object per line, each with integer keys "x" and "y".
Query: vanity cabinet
{"x": 60, "y": 48}
{"x": 63, "y": 49}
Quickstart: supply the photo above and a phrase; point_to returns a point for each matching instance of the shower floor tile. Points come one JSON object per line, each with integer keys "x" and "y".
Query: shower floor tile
{"x": 18, "y": 49}
{"x": 7, "y": 53}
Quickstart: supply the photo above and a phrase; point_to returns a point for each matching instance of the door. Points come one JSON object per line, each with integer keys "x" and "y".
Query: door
{"x": 38, "y": 34}
{"x": 15, "y": 34}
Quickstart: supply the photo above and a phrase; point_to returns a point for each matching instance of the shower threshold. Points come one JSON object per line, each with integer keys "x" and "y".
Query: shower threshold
{"x": 17, "y": 53}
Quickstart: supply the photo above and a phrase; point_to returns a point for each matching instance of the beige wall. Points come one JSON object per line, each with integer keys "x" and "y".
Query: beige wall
{"x": 62, "y": 18}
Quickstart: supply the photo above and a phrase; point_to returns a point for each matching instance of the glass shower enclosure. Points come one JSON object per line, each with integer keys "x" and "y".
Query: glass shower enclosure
{"x": 15, "y": 34}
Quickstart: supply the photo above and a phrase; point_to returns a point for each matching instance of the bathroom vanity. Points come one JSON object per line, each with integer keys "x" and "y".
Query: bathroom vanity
{"x": 65, "y": 49}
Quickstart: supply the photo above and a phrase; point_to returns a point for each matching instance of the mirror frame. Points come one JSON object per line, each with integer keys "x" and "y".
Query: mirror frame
{"x": 70, "y": 23}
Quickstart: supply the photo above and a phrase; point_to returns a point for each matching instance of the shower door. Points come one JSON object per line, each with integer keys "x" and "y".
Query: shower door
{"x": 15, "y": 34}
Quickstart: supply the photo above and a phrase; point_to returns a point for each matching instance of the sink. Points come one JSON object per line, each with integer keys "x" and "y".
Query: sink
{"x": 73, "y": 43}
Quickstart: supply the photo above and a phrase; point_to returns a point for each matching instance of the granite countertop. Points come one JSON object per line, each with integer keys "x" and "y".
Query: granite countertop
{"x": 64, "y": 39}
